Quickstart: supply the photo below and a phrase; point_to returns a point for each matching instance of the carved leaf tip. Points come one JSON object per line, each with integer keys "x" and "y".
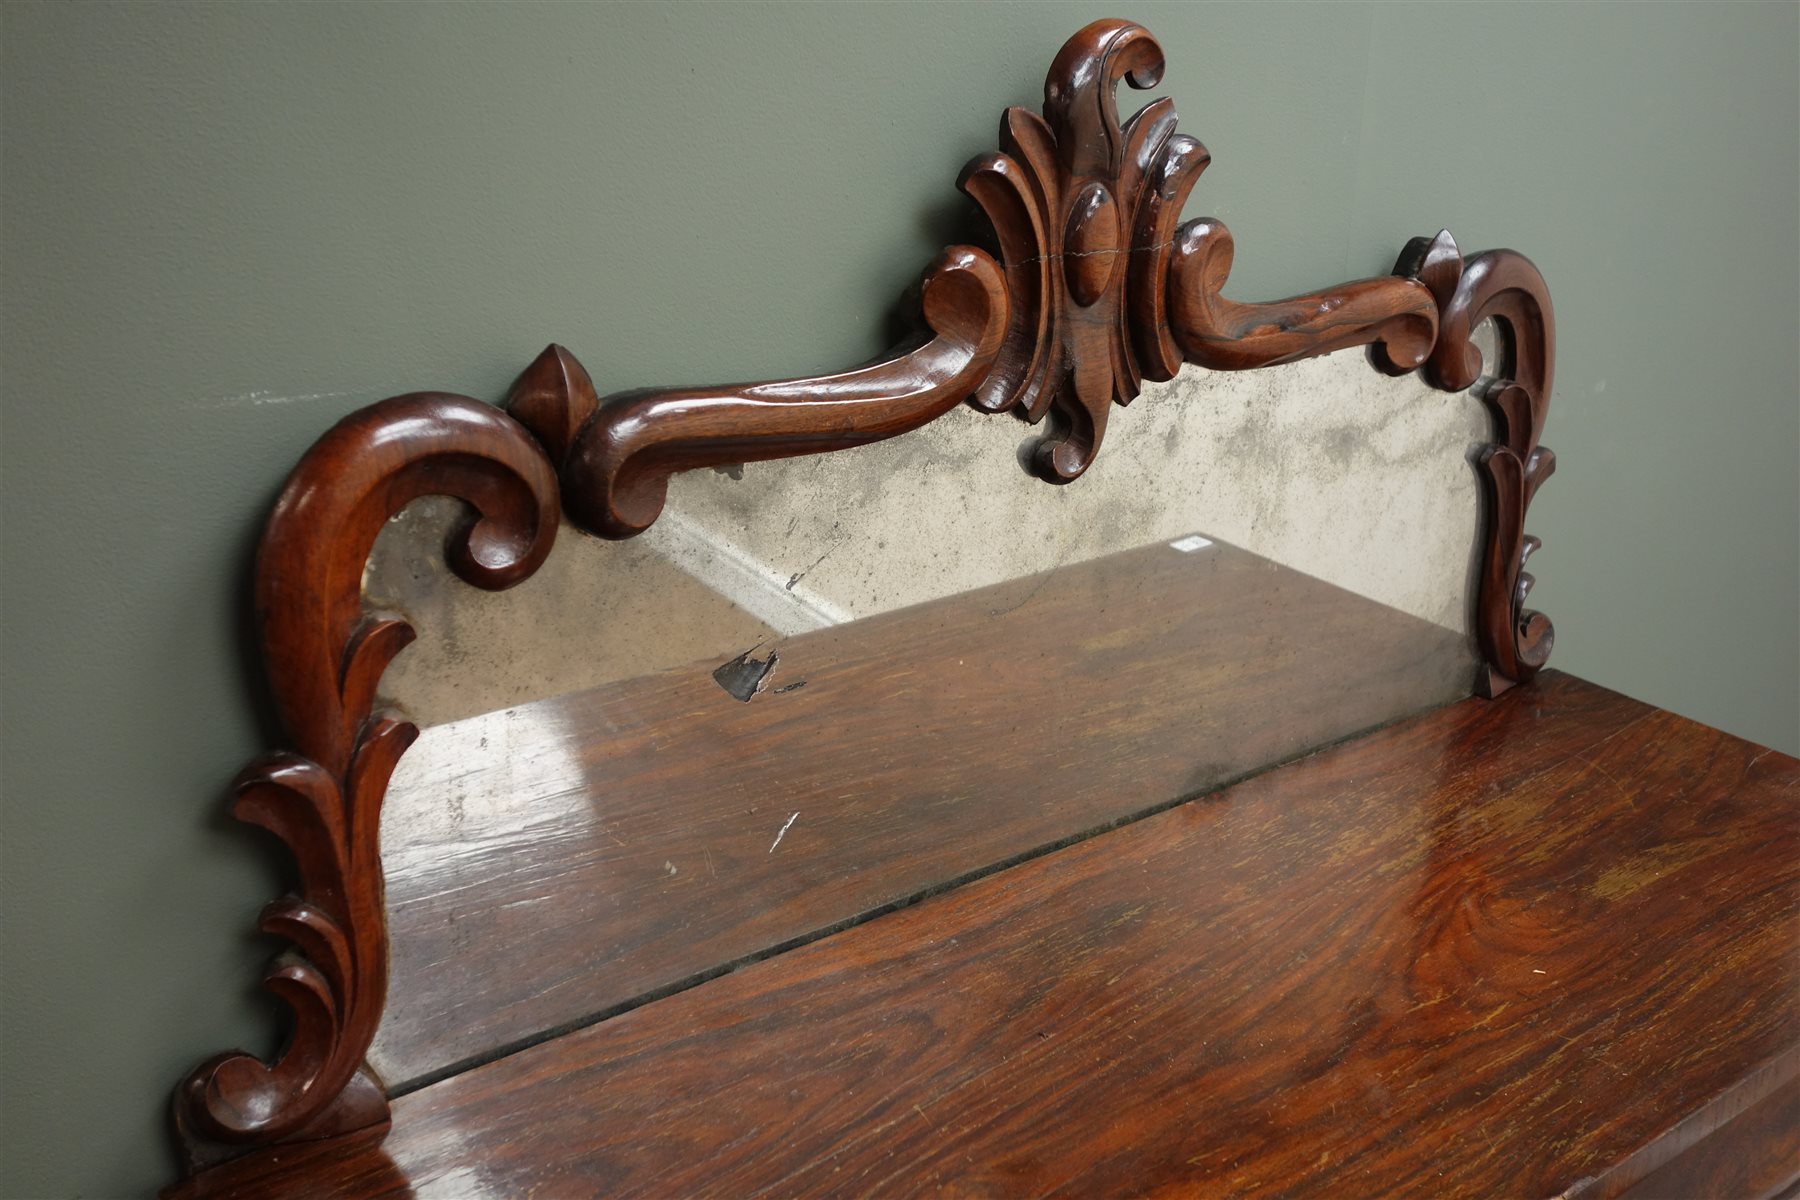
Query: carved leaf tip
{"x": 553, "y": 398}
{"x": 1081, "y": 90}
{"x": 1433, "y": 261}
{"x": 1103, "y": 54}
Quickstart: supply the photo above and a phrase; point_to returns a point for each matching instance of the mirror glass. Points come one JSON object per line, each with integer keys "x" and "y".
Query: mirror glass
{"x": 820, "y": 688}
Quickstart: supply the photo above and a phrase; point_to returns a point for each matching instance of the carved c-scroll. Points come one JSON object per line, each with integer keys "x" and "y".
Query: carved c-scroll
{"x": 323, "y": 799}
{"x": 1106, "y": 293}
{"x": 617, "y": 454}
{"x": 1505, "y": 286}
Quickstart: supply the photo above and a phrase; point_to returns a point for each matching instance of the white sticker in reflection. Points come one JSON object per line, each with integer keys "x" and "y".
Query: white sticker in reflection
{"x": 1190, "y": 543}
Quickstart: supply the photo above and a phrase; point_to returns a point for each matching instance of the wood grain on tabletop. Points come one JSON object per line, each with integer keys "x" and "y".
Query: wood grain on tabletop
{"x": 1522, "y": 947}
{"x": 551, "y": 862}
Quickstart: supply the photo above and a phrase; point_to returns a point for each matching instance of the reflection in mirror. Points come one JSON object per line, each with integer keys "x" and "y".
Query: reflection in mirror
{"x": 818, "y": 688}
{"x": 1320, "y": 465}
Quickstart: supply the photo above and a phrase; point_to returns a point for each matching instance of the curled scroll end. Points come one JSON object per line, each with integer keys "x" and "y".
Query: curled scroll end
{"x": 235, "y": 1097}
{"x": 1082, "y": 408}
{"x": 1081, "y": 90}
{"x": 361, "y": 1108}
{"x": 1437, "y": 263}
{"x": 496, "y": 552}
{"x": 964, "y": 301}
{"x": 553, "y": 398}
{"x": 1065, "y": 457}
{"x": 1536, "y": 638}
{"x": 1404, "y": 344}
{"x": 1533, "y": 635}
{"x": 515, "y": 519}
{"x": 617, "y": 477}
{"x": 1199, "y": 264}
{"x": 1100, "y": 56}
{"x": 632, "y": 501}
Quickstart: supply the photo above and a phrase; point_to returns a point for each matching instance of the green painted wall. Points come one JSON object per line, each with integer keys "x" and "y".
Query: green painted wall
{"x": 226, "y": 226}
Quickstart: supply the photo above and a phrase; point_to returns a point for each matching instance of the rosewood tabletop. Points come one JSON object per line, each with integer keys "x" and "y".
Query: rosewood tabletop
{"x": 1537, "y": 946}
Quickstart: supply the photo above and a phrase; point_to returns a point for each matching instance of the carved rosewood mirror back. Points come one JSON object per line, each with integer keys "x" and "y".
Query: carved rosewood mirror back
{"x": 878, "y": 655}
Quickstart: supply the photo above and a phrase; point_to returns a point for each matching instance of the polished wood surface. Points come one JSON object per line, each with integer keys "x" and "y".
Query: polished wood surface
{"x": 1097, "y": 289}
{"x": 1105, "y": 292}
{"x": 1502, "y": 286}
{"x": 559, "y": 860}
{"x": 323, "y": 798}
{"x": 1744, "y": 1144}
{"x": 1531, "y": 947}
{"x": 1394, "y": 313}
{"x": 616, "y": 475}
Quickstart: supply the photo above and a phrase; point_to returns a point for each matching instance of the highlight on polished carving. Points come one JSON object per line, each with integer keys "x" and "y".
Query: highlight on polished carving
{"x": 1106, "y": 291}
{"x": 616, "y": 456}
{"x": 1502, "y": 286}
{"x": 322, "y": 799}
{"x": 1071, "y": 196}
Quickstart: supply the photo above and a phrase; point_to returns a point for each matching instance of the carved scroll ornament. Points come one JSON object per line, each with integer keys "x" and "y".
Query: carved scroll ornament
{"x": 1106, "y": 292}
{"x": 323, "y": 799}
{"x": 1097, "y": 289}
{"x": 617, "y": 456}
{"x": 325, "y": 654}
{"x": 1502, "y": 286}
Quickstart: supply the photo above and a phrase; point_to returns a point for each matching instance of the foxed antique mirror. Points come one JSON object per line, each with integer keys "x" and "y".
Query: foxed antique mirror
{"x": 908, "y": 662}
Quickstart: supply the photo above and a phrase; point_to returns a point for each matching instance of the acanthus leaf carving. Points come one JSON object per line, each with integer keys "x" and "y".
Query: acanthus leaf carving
{"x": 1071, "y": 195}
{"x": 1505, "y": 287}
{"x": 323, "y": 799}
{"x": 1072, "y": 192}
{"x": 1106, "y": 291}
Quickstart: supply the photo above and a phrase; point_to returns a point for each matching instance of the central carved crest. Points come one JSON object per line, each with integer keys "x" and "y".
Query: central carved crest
{"x": 1085, "y": 212}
